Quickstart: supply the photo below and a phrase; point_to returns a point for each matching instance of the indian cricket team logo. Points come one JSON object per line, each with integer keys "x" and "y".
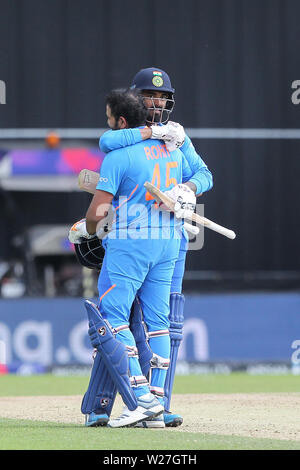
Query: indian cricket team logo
{"x": 157, "y": 79}
{"x": 104, "y": 402}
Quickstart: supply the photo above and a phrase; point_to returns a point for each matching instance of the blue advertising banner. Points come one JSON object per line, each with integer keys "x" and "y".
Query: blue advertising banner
{"x": 241, "y": 327}
{"x": 218, "y": 327}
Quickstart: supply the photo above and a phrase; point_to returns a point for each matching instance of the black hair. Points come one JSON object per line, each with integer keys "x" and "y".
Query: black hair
{"x": 129, "y": 104}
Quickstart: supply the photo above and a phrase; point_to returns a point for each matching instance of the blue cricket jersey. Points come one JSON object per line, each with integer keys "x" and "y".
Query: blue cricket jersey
{"x": 199, "y": 174}
{"x": 123, "y": 174}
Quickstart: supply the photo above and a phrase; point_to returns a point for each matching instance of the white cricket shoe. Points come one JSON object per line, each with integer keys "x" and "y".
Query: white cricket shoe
{"x": 156, "y": 422}
{"x": 148, "y": 407}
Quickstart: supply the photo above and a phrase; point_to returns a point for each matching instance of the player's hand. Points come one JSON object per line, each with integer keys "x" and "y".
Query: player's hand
{"x": 172, "y": 133}
{"x": 79, "y": 231}
{"x": 185, "y": 200}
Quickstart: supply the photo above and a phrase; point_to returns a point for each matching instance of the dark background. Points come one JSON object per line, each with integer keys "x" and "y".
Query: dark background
{"x": 232, "y": 63}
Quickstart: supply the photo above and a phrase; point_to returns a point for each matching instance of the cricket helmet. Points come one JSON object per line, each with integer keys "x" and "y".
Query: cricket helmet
{"x": 155, "y": 79}
{"x": 90, "y": 252}
{"x": 152, "y": 78}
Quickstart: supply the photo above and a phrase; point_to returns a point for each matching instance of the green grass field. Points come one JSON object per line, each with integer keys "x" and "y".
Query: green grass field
{"x": 14, "y": 385}
{"x": 34, "y": 435}
{"x": 30, "y": 435}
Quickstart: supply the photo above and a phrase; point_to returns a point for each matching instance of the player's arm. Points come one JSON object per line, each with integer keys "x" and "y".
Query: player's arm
{"x": 183, "y": 194}
{"x": 196, "y": 179}
{"x": 113, "y": 140}
{"x": 112, "y": 172}
{"x": 117, "y": 139}
{"x": 98, "y": 210}
{"x": 100, "y": 207}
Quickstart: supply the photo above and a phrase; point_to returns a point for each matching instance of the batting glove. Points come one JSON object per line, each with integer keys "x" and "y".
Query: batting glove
{"x": 172, "y": 133}
{"x": 78, "y": 231}
{"x": 185, "y": 200}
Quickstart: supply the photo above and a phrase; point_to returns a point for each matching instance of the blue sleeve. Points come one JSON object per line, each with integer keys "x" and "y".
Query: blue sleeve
{"x": 113, "y": 140}
{"x": 200, "y": 174}
{"x": 187, "y": 172}
{"x": 113, "y": 169}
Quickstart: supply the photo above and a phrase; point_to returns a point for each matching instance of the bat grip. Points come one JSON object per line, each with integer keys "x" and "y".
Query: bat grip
{"x": 222, "y": 230}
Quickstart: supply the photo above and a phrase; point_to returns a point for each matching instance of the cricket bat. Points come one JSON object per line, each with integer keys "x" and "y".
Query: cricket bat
{"x": 88, "y": 179}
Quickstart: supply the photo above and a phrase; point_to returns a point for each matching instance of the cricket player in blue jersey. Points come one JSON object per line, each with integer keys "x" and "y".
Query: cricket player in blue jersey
{"x": 140, "y": 255}
{"x": 158, "y": 93}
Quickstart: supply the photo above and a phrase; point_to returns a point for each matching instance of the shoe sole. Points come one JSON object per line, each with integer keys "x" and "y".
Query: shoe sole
{"x": 100, "y": 422}
{"x": 156, "y": 411}
{"x": 175, "y": 423}
{"x": 150, "y": 424}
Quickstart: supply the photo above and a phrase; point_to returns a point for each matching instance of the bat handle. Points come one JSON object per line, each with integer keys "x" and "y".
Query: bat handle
{"x": 213, "y": 226}
{"x": 222, "y": 230}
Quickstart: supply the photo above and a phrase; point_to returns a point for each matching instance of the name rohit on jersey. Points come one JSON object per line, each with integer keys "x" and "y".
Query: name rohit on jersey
{"x": 156, "y": 151}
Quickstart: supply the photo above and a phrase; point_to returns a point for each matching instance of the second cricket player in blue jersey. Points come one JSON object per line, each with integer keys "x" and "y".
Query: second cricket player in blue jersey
{"x": 160, "y": 101}
{"x": 142, "y": 219}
